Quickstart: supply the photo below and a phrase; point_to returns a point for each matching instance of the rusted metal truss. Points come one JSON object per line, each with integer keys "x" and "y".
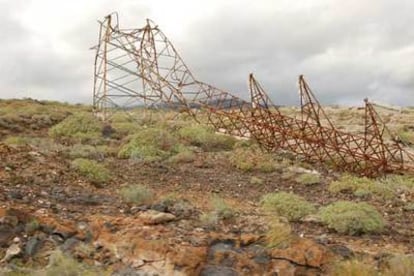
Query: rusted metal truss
{"x": 134, "y": 66}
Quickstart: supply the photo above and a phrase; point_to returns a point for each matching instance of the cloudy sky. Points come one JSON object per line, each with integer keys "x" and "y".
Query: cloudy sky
{"x": 347, "y": 50}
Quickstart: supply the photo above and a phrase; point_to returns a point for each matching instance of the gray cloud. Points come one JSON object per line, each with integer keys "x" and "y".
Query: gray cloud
{"x": 347, "y": 50}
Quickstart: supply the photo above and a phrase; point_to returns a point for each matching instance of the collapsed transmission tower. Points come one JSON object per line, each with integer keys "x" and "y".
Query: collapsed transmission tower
{"x": 134, "y": 66}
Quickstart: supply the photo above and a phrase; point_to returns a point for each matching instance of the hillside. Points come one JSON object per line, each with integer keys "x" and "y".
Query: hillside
{"x": 156, "y": 193}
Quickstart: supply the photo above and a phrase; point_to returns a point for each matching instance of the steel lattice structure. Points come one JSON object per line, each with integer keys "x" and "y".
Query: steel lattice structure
{"x": 142, "y": 66}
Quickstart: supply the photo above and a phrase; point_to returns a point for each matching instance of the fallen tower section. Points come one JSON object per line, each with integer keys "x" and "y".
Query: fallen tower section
{"x": 141, "y": 66}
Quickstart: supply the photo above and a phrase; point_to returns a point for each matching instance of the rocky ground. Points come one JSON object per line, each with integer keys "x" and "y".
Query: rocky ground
{"x": 54, "y": 219}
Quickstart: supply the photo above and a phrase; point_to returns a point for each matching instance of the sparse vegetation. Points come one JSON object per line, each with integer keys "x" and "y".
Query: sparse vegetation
{"x": 83, "y": 127}
{"x": 406, "y": 135}
{"x": 288, "y": 205}
{"x": 362, "y": 187}
{"x": 88, "y": 151}
{"x": 45, "y": 201}
{"x": 279, "y": 234}
{"x": 16, "y": 140}
{"x": 220, "y": 210}
{"x": 136, "y": 194}
{"x": 123, "y": 129}
{"x": 252, "y": 159}
{"x": 308, "y": 179}
{"x": 399, "y": 182}
{"x": 61, "y": 264}
{"x": 347, "y": 217}
{"x": 354, "y": 268}
{"x": 150, "y": 144}
{"x": 27, "y": 114}
{"x": 254, "y": 180}
{"x": 183, "y": 156}
{"x": 92, "y": 170}
{"x": 209, "y": 219}
{"x": 400, "y": 265}
{"x": 205, "y": 138}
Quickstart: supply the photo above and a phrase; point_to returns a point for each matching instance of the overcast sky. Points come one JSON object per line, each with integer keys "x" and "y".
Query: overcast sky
{"x": 347, "y": 50}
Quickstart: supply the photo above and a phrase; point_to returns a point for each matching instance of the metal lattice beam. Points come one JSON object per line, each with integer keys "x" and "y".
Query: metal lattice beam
{"x": 142, "y": 66}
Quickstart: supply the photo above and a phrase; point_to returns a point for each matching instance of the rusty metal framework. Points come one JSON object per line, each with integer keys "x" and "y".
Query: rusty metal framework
{"x": 141, "y": 66}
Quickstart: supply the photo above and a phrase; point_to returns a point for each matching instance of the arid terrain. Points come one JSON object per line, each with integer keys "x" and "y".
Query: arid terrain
{"x": 154, "y": 193}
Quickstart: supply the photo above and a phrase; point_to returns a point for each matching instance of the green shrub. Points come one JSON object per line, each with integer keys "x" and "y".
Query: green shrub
{"x": 87, "y": 151}
{"x": 409, "y": 207}
{"x": 150, "y": 144}
{"x": 254, "y": 180}
{"x": 406, "y": 135}
{"x": 279, "y": 234}
{"x": 349, "y": 182}
{"x": 400, "y": 265}
{"x": 252, "y": 159}
{"x": 308, "y": 179}
{"x": 42, "y": 144}
{"x": 205, "y": 138}
{"x": 353, "y": 268}
{"x": 221, "y": 208}
{"x": 288, "y": 205}
{"x": 81, "y": 126}
{"x": 16, "y": 140}
{"x": 362, "y": 187}
{"x": 347, "y": 217}
{"x": 61, "y": 264}
{"x": 123, "y": 129}
{"x": 137, "y": 194}
{"x": 184, "y": 156}
{"x": 19, "y": 115}
{"x": 93, "y": 171}
{"x": 209, "y": 219}
{"x": 399, "y": 182}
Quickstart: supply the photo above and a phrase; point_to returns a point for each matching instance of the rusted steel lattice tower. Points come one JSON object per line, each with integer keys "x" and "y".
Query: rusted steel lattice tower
{"x": 134, "y": 66}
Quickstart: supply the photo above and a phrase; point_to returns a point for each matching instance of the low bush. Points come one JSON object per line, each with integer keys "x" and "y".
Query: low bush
{"x": 87, "y": 151}
{"x": 92, "y": 170}
{"x": 184, "y": 156}
{"x": 308, "y": 179}
{"x": 221, "y": 208}
{"x": 82, "y": 126}
{"x": 206, "y": 138}
{"x": 352, "y": 218}
{"x": 209, "y": 219}
{"x": 150, "y": 144}
{"x": 220, "y": 211}
{"x": 137, "y": 194}
{"x": 409, "y": 207}
{"x": 399, "y": 182}
{"x": 16, "y": 140}
{"x": 254, "y": 180}
{"x": 353, "y": 268}
{"x": 41, "y": 144}
{"x": 400, "y": 265}
{"x": 288, "y": 205}
{"x": 406, "y": 135}
{"x": 21, "y": 115}
{"x": 279, "y": 234}
{"x": 123, "y": 129}
{"x": 177, "y": 205}
{"x": 252, "y": 159}
{"x": 362, "y": 187}
{"x": 61, "y": 264}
